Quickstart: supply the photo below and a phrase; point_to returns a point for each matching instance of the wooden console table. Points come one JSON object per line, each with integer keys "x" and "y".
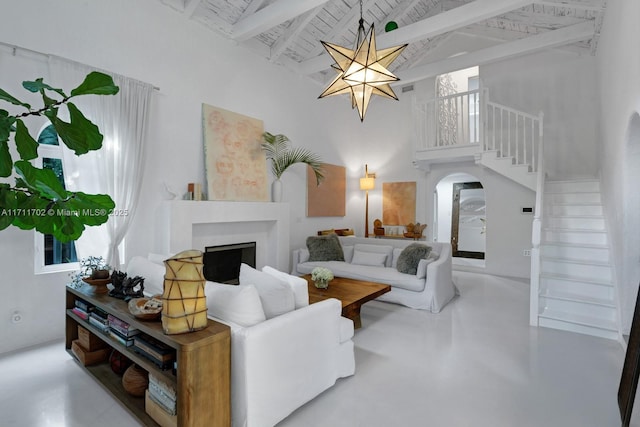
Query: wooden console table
{"x": 201, "y": 379}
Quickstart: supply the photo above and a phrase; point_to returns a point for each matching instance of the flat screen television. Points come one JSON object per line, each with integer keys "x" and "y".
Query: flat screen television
{"x": 222, "y": 262}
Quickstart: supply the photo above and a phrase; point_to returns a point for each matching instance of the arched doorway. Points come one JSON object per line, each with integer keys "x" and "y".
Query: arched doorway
{"x": 631, "y": 218}
{"x": 459, "y": 218}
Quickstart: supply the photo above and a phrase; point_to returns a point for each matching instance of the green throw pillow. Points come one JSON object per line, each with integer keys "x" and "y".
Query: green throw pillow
{"x": 410, "y": 257}
{"x": 325, "y": 248}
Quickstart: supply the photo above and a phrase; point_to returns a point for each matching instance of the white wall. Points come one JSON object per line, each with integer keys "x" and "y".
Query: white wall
{"x": 618, "y": 68}
{"x": 191, "y": 65}
{"x": 562, "y": 86}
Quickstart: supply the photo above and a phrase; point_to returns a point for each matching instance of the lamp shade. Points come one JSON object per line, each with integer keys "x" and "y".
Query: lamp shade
{"x": 367, "y": 183}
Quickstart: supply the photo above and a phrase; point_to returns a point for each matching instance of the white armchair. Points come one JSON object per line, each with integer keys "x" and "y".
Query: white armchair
{"x": 281, "y": 363}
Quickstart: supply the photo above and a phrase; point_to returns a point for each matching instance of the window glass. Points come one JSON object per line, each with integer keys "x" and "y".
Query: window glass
{"x": 51, "y": 254}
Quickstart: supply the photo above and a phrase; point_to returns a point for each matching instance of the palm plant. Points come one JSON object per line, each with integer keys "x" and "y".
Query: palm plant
{"x": 277, "y": 149}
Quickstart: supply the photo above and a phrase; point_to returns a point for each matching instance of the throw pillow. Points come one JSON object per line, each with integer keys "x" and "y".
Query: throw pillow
{"x": 325, "y": 248}
{"x": 275, "y": 294}
{"x": 152, "y": 272}
{"x": 237, "y": 304}
{"x": 424, "y": 263}
{"x": 378, "y": 249}
{"x": 368, "y": 258}
{"x": 348, "y": 253}
{"x": 411, "y": 256}
{"x": 298, "y": 285}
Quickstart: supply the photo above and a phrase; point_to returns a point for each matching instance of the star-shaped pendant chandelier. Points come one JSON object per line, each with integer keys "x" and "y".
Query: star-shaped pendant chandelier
{"x": 362, "y": 72}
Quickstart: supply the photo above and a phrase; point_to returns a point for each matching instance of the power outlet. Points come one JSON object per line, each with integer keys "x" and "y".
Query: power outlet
{"x": 526, "y": 252}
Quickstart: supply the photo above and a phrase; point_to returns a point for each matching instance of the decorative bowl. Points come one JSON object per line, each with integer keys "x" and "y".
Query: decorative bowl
{"x": 146, "y": 308}
{"x": 98, "y": 286}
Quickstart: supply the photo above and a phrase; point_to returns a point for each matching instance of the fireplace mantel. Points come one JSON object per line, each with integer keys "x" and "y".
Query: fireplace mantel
{"x": 195, "y": 224}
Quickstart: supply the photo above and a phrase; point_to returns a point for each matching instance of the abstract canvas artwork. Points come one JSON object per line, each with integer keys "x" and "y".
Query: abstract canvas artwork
{"x": 328, "y": 198}
{"x": 398, "y": 203}
{"x": 235, "y": 163}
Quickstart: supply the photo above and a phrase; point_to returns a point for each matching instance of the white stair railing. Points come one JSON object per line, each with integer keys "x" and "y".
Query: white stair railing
{"x": 536, "y": 230}
{"x": 512, "y": 133}
{"x": 448, "y": 121}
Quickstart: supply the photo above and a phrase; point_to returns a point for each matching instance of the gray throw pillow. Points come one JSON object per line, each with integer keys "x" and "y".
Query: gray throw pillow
{"x": 325, "y": 248}
{"x": 410, "y": 257}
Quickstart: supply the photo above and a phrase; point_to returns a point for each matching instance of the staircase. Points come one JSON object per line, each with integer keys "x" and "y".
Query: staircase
{"x": 576, "y": 290}
{"x": 506, "y": 166}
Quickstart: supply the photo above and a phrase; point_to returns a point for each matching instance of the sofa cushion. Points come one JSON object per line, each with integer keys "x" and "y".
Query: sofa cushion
{"x": 396, "y": 254}
{"x": 386, "y": 275}
{"x": 377, "y": 249}
{"x": 348, "y": 253}
{"x": 298, "y": 285}
{"x": 237, "y": 304}
{"x": 152, "y": 272}
{"x": 275, "y": 294}
{"x": 368, "y": 258}
{"x": 411, "y": 256}
{"x": 325, "y": 248}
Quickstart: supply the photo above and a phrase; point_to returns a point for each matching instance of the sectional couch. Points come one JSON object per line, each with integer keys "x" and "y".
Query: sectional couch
{"x": 431, "y": 288}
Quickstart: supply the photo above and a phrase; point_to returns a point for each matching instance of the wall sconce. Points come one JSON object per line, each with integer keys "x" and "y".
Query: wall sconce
{"x": 367, "y": 183}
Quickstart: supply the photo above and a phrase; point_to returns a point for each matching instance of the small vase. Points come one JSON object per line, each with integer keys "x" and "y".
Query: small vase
{"x": 276, "y": 191}
{"x": 321, "y": 284}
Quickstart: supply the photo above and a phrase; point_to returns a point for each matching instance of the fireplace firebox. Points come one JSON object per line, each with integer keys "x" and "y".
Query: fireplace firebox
{"x": 222, "y": 262}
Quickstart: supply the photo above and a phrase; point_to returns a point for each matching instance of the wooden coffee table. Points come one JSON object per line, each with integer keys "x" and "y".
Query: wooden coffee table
{"x": 351, "y": 292}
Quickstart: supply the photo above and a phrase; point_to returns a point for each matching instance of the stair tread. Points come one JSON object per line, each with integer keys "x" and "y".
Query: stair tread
{"x": 588, "y": 191}
{"x": 574, "y": 230}
{"x": 587, "y": 280}
{"x": 572, "y": 181}
{"x": 576, "y": 261}
{"x": 575, "y": 245}
{"x": 567, "y": 296}
{"x": 594, "y": 322}
{"x": 598, "y": 204}
{"x": 598, "y": 216}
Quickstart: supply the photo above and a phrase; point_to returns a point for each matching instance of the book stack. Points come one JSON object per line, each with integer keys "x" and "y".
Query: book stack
{"x": 99, "y": 318}
{"x": 162, "y": 394}
{"x": 82, "y": 309}
{"x": 121, "y": 331}
{"x": 159, "y": 353}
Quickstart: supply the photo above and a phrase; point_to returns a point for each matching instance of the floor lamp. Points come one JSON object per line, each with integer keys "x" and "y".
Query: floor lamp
{"x": 367, "y": 183}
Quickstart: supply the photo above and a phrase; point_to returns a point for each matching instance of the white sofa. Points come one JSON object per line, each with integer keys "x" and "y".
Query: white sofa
{"x": 277, "y": 364}
{"x": 430, "y": 289}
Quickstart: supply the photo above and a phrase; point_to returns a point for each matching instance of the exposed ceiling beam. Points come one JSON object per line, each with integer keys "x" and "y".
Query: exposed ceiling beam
{"x": 291, "y": 34}
{"x": 271, "y": 16}
{"x": 596, "y": 5}
{"x": 528, "y": 45}
{"x": 341, "y": 26}
{"x": 190, "y": 7}
{"x": 251, "y": 9}
{"x": 470, "y": 13}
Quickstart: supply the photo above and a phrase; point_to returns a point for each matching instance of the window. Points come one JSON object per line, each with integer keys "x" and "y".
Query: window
{"x": 51, "y": 255}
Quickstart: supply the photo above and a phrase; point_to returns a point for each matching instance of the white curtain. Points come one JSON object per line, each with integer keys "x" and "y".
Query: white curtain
{"x": 117, "y": 168}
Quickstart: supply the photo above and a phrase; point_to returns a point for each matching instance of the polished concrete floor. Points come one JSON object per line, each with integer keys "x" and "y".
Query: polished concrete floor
{"x": 477, "y": 363}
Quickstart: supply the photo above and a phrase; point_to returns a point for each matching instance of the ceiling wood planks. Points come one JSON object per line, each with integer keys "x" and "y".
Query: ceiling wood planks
{"x": 288, "y": 32}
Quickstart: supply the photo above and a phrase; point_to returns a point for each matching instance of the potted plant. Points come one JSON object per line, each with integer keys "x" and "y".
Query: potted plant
{"x": 94, "y": 271}
{"x": 278, "y": 149}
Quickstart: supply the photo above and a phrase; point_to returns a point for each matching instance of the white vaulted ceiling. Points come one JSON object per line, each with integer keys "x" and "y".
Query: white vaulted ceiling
{"x": 288, "y": 32}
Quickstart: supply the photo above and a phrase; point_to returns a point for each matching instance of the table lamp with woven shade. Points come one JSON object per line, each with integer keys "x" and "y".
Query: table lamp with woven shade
{"x": 184, "y": 306}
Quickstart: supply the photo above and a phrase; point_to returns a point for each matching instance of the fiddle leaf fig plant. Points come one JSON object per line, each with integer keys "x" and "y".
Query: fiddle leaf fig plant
{"x": 277, "y": 149}
{"x": 38, "y": 199}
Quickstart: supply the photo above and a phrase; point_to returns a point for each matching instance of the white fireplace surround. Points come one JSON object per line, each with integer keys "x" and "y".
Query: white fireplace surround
{"x": 196, "y": 224}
